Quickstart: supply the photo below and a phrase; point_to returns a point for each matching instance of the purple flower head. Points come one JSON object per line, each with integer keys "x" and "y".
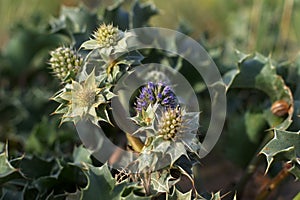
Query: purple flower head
{"x": 154, "y": 93}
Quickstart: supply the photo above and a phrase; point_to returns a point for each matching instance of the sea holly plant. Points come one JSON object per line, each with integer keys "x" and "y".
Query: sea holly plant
{"x": 170, "y": 130}
{"x": 89, "y": 58}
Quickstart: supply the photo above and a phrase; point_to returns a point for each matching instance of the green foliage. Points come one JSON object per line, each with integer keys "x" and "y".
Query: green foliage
{"x": 53, "y": 166}
{"x": 286, "y": 146}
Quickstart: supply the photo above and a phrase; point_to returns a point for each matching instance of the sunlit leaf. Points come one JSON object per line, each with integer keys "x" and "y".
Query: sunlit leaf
{"x": 285, "y": 145}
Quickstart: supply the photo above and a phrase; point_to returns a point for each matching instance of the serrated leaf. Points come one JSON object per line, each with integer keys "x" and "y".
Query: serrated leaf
{"x": 295, "y": 170}
{"x": 74, "y": 196}
{"x": 179, "y": 195}
{"x": 259, "y": 72}
{"x": 141, "y": 13}
{"x": 171, "y": 148}
{"x": 229, "y": 76}
{"x": 117, "y": 16}
{"x": 71, "y": 177}
{"x": 35, "y": 167}
{"x": 7, "y": 171}
{"x": 101, "y": 184}
{"x": 133, "y": 196}
{"x": 161, "y": 181}
{"x": 5, "y": 166}
{"x": 81, "y": 154}
{"x": 285, "y": 144}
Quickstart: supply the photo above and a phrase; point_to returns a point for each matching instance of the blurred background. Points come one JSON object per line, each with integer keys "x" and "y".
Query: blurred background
{"x": 267, "y": 26}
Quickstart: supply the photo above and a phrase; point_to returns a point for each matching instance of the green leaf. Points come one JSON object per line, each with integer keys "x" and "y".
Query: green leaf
{"x": 259, "y": 72}
{"x": 297, "y": 197}
{"x": 81, "y": 155}
{"x": 133, "y": 196}
{"x": 255, "y": 125}
{"x": 68, "y": 179}
{"x": 74, "y": 196}
{"x": 90, "y": 44}
{"x": 11, "y": 194}
{"x": 141, "y": 13}
{"x": 162, "y": 181}
{"x": 285, "y": 145}
{"x": 238, "y": 146}
{"x": 71, "y": 177}
{"x": 35, "y": 167}
{"x": 101, "y": 184}
{"x": 117, "y": 16}
{"x": 179, "y": 195}
{"x": 5, "y": 166}
{"x": 7, "y": 171}
{"x": 75, "y": 22}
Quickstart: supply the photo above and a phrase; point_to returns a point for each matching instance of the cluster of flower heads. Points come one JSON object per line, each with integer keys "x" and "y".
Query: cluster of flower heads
{"x": 171, "y": 131}
{"x": 84, "y": 91}
{"x": 158, "y": 101}
{"x": 155, "y": 93}
{"x": 157, "y": 107}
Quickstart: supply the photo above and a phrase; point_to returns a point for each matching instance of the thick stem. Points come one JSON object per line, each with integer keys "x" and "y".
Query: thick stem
{"x": 136, "y": 143}
{"x": 274, "y": 183}
{"x": 147, "y": 183}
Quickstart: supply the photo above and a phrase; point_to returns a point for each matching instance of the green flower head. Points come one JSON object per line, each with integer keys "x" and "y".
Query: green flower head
{"x": 170, "y": 123}
{"x": 108, "y": 40}
{"x": 81, "y": 100}
{"x": 107, "y": 35}
{"x": 174, "y": 135}
{"x": 65, "y": 63}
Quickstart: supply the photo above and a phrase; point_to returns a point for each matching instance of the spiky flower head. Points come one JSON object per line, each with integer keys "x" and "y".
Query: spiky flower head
{"x": 170, "y": 123}
{"x": 155, "y": 93}
{"x": 109, "y": 40}
{"x": 107, "y": 35}
{"x": 81, "y": 100}
{"x": 65, "y": 63}
{"x": 173, "y": 135}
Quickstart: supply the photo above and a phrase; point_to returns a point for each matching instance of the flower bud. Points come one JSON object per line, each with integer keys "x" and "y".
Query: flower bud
{"x": 65, "y": 63}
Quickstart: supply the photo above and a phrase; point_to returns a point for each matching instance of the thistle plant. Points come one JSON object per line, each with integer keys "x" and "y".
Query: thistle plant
{"x": 262, "y": 93}
{"x": 171, "y": 130}
{"x": 81, "y": 100}
{"x": 154, "y": 93}
{"x": 108, "y": 40}
{"x": 65, "y": 63}
{"x": 107, "y": 35}
{"x": 170, "y": 123}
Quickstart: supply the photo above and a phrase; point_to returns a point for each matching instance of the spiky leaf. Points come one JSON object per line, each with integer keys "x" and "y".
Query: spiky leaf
{"x": 258, "y": 72}
{"x": 285, "y": 145}
{"x": 102, "y": 185}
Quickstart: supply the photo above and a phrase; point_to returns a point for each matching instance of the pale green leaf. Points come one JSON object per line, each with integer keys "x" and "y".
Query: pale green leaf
{"x": 102, "y": 185}
{"x": 284, "y": 144}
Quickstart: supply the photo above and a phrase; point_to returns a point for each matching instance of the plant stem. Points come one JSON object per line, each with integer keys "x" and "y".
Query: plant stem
{"x": 251, "y": 168}
{"x": 136, "y": 143}
{"x": 147, "y": 182}
{"x": 274, "y": 183}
